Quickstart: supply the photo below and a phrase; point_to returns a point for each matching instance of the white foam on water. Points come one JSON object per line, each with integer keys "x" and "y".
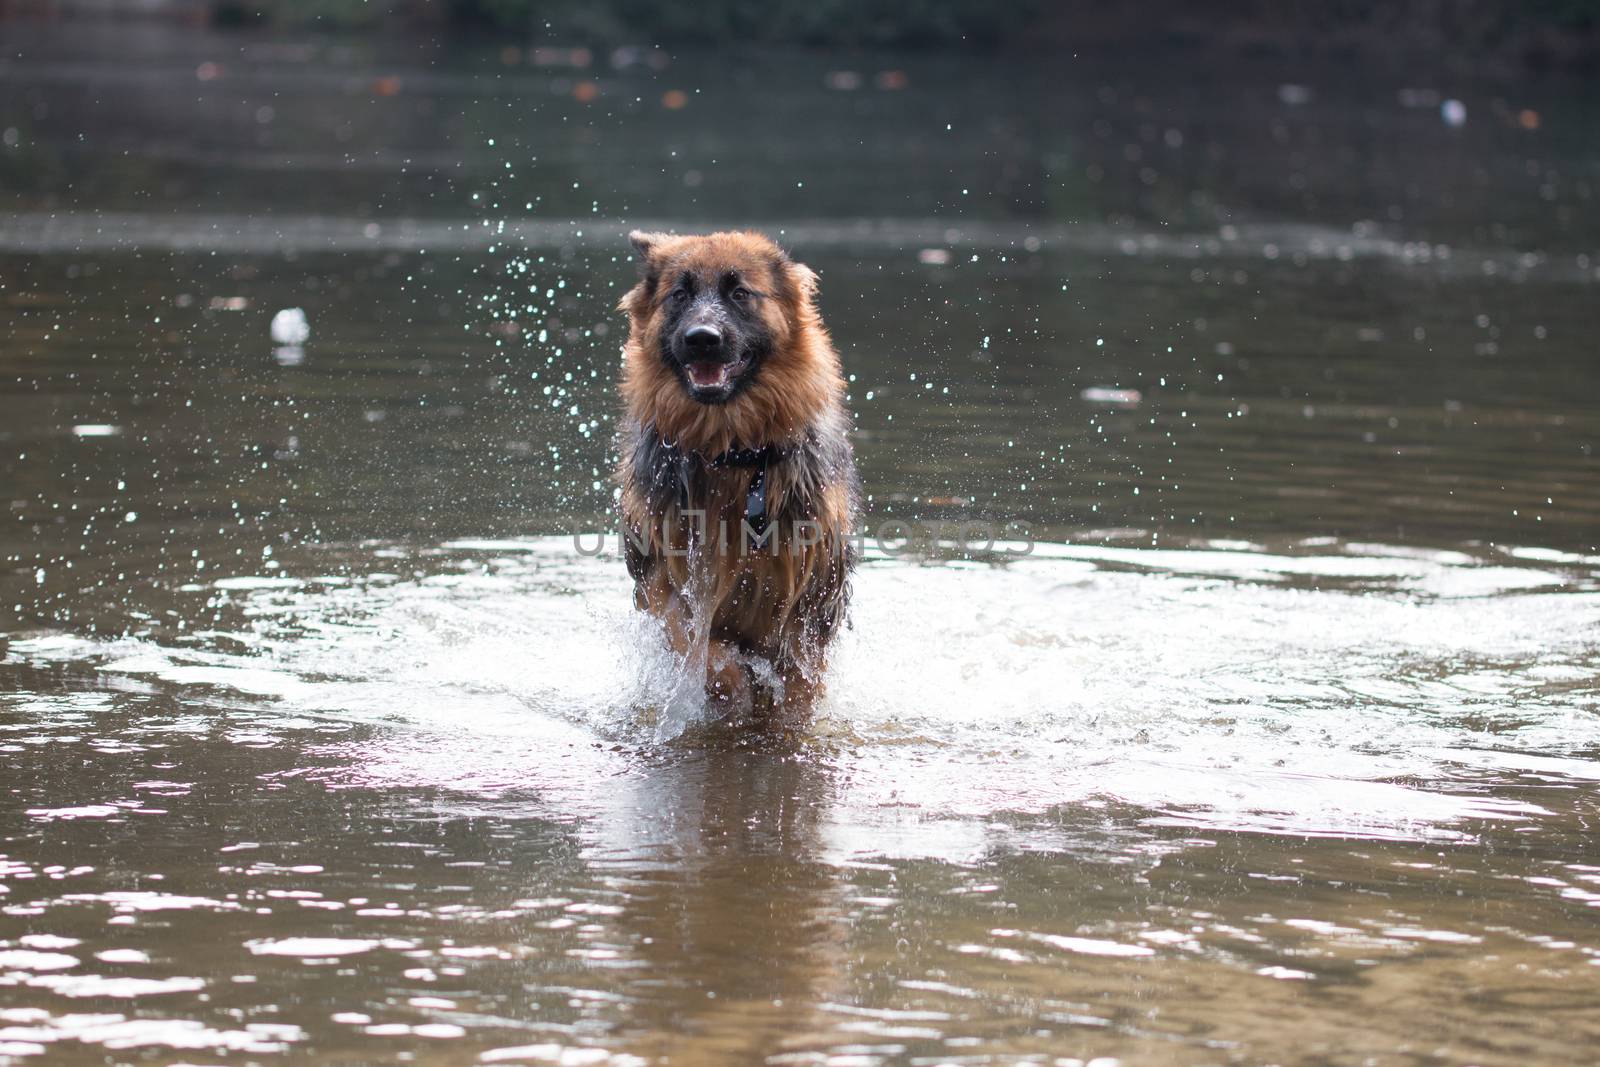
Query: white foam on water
{"x": 1348, "y": 692}
{"x": 311, "y": 947}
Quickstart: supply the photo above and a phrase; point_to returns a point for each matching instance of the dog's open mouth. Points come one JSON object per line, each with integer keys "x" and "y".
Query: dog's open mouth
{"x": 711, "y": 375}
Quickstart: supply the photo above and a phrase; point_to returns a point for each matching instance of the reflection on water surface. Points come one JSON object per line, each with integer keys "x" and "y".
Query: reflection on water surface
{"x": 362, "y": 812}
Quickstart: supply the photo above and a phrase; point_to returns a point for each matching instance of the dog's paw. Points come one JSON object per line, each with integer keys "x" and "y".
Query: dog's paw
{"x": 728, "y": 682}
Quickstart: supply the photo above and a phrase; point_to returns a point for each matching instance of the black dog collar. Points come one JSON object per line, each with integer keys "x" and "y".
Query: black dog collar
{"x": 747, "y": 457}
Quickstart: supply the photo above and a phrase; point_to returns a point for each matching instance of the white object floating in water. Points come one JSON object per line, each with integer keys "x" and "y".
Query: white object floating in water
{"x": 1454, "y": 112}
{"x": 289, "y": 327}
{"x": 96, "y": 429}
{"x": 1101, "y": 394}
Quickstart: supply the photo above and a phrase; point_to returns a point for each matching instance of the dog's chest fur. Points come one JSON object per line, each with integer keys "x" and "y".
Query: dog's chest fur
{"x": 691, "y": 534}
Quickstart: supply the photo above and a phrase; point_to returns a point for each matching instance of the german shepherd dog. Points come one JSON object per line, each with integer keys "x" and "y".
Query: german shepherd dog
{"x": 739, "y": 490}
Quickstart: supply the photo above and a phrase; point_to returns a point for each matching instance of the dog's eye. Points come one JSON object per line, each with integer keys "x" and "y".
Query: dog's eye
{"x": 678, "y": 296}
{"x": 740, "y": 293}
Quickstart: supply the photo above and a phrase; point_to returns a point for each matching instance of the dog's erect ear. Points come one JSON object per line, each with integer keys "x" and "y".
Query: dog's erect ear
{"x": 644, "y": 247}
{"x": 805, "y": 279}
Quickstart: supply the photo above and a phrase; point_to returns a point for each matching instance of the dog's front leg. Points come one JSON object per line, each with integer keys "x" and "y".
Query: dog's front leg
{"x": 727, "y": 680}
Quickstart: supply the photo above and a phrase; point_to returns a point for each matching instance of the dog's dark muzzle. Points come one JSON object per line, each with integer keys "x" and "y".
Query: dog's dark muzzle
{"x": 710, "y": 363}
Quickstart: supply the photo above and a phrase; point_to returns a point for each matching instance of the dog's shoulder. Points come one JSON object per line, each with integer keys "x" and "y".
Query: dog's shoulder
{"x": 820, "y": 466}
{"x": 657, "y": 473}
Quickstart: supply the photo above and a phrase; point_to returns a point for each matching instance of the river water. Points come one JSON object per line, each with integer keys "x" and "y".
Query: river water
{"x": 1270, "y": 735}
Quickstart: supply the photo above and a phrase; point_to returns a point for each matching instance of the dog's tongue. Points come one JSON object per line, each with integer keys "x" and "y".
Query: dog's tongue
{"x": 707, "y": 373}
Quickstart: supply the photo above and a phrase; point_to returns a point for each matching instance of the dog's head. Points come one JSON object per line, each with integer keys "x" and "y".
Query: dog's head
{"x": 716, "y": 309}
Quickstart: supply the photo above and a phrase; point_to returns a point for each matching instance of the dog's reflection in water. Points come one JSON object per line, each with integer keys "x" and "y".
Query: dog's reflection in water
{"x": 730, "y": 914}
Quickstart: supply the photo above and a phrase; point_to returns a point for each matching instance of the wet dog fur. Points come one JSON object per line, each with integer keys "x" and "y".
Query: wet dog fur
{"x": 729, "y": 376}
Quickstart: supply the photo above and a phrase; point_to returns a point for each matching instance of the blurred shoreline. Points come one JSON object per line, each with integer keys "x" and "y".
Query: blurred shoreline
{"x": 1501, "y": 36}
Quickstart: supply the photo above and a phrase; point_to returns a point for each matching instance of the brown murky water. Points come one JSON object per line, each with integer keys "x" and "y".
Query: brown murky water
{"x": 320, "y": 740}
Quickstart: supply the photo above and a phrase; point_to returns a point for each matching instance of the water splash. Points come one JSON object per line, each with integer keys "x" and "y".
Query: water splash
{"x": 1350, "y": 690}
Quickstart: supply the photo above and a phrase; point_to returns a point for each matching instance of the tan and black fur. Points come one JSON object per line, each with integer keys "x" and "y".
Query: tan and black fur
{"x": 729, "y": 376}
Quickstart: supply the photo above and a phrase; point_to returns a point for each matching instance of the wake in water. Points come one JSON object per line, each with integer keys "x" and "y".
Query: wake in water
{"x": 1353, "y": 690}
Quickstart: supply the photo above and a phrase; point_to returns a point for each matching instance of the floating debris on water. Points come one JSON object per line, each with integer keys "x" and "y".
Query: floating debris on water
{"x": 1104, "y": 394}
{"x": 289, "y": 327}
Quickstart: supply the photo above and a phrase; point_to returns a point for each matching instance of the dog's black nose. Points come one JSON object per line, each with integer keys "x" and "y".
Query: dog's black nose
{"x": 703, "y": 338}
